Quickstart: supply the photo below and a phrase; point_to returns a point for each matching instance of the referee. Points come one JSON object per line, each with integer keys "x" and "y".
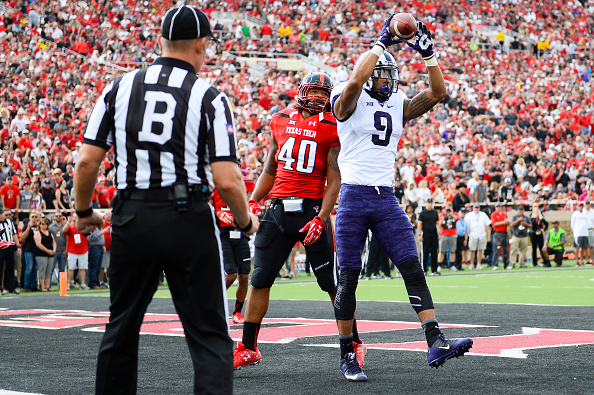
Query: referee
{"x": 9, "y": 240}
{"x": 173, "y": 137}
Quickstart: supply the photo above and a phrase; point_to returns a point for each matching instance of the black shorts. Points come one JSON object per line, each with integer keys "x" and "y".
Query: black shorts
{"x": 278, "y": 233}
{"x": 236, "y": 251}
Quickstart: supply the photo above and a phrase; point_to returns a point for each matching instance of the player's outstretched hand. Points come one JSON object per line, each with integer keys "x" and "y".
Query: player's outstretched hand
{"x": 386, "y": 38}
{"x": 314, "y": 229}
{"x": 423, "y": 41}
{"x": 226, "y": 217}
{"x": 254, "y": 207}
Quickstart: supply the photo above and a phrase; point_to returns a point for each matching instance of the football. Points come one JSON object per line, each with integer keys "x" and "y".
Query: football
{"x": 403, "y": 26}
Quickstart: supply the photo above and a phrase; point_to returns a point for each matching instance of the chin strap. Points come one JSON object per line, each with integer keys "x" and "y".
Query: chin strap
{"x": 378, "y": 95}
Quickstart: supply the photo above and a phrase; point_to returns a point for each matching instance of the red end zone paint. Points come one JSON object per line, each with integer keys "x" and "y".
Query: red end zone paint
{"x": 510, "y": 346}
{"x": 289, "y": 329}
{"x": 285, "y": 330}
{"x": 61, "y": 319}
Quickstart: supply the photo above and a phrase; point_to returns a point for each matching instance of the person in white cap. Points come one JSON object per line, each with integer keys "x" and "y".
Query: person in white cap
{"x": 590, "y": 214}
{"x": 479, "y": 232}
{"x": 579, "y": 226}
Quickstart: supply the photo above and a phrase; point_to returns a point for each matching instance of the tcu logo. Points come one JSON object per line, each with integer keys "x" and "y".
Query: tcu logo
{"x": 312, "y": 123}
{"x": 424, "y": 41}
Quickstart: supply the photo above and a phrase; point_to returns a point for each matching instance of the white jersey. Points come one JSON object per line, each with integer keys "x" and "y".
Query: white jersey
{"x": 369, "y": 139}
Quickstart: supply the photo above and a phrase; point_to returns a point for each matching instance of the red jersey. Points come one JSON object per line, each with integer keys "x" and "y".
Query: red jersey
{"x": 103, "y": 194}
{"x": 107, "y": 236}
{"x": 220, "y": 205}
{"x": 448, "y": 224}
{"x": 496, "y": 217}
{"x": 302, "y": 155}
{"x": 77, "y": 243}
{"x": 10, "y": 194}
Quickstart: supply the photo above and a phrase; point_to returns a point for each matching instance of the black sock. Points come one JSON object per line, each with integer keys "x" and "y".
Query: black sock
{"x": 346, "y": 344}
{"x": 356, "y": 333}
{"x": 238, "y": 307}
{"x": 431, "y": 328}
{"x": 250, "y": 335}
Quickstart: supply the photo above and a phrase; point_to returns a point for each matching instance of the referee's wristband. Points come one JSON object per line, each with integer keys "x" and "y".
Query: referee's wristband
{"x": 247, "y": 228}
{"x": 85, "y": 213}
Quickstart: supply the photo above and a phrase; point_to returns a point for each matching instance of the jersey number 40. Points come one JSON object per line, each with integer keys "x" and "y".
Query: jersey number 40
{"x": 306, "y": 156}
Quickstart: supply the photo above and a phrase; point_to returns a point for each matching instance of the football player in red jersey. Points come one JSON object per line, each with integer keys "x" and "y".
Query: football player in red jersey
{"x": 236, "y": 250}
{"x": 302, "y": 176}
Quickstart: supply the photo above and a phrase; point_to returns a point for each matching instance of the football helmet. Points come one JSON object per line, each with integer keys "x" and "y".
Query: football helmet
{"x": 315, "y": 103}
{"x": 385, "y": 68}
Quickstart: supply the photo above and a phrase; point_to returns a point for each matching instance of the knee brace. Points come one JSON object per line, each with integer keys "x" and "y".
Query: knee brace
{"x": 262, "y": 278}
{"x": 346, "y": 302}
{"x": 326, "y": 284}
{"x": 416, "y": 286}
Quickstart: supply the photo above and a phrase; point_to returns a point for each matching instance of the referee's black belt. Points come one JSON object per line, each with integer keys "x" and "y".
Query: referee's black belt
{"x": 197, "y": 192}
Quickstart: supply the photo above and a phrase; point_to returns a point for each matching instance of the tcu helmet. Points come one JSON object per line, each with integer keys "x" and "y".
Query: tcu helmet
{"x": 385, "y": 68}
{"x": 315, "y": 103}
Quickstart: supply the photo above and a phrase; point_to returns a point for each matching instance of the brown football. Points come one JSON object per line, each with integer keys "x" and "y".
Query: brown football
{"x": 403, "y": 26}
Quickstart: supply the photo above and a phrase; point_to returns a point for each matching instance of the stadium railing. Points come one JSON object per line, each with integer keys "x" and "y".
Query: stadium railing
{"x": 234, "y": 16}
{"x": 5, "y": 9}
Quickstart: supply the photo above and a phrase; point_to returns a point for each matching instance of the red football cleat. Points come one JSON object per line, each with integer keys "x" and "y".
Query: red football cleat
{"x": 245, "y": 357}
{"x": 360, "y": 350}
{"x": 238, "y": 318}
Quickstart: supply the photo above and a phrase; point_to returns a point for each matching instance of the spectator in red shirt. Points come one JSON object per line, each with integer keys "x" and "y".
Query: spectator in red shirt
{"x": 500, "y": 240}
{"x": 111, "y": 192}
{"x": 548, "y": 177}
{"x": 10, "y": 196}
{"x": 106, "y": 232}
{"x": 25, "y": 142}
{"x": 448, "y": 237}
{"x": 102, "y": 193}
{"x": 78, "y": 253}
{"x": 266, "y": 31}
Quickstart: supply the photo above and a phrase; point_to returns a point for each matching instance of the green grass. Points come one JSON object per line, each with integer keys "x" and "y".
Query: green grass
{"x": 559, "y": 286}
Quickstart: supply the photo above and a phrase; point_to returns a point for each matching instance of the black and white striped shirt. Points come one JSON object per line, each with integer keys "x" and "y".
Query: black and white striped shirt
{"x": 7, "y": 229}
{"x": 166, "y": 126}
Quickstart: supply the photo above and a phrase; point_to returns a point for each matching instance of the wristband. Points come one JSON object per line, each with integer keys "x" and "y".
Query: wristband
{"x": 377, "y": 49}
{"x": 431, "y": 61}
{"x": 247, "y": 228}
{"x": 85, "y": 213}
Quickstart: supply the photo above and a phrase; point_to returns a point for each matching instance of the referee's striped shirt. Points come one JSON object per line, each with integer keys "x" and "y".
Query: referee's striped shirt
{"x": 7, "y": 229}
{"x": 166, "y": 125}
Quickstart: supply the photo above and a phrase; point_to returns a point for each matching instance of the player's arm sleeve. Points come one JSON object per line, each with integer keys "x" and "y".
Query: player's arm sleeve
{"x": 222, "y": 142}
{"x": 99, "y": 130}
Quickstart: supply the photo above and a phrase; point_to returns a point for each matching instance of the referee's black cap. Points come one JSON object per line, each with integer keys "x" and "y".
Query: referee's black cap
{"x": 184, "y": 23}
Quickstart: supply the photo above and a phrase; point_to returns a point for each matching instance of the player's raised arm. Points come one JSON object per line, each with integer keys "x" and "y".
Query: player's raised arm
{"x": 345, "y": 104}
{"x": 427, "y": 99}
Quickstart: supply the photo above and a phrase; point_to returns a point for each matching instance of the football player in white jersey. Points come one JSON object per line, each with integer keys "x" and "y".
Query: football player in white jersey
{"x": 371, "y": 113}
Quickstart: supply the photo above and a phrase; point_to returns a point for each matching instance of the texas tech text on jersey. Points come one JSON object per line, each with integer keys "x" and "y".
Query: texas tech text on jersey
{"x": 302, "y": 154}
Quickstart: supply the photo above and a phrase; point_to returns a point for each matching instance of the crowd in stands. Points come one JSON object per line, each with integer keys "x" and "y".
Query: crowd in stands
{"x": 516, "y": 126}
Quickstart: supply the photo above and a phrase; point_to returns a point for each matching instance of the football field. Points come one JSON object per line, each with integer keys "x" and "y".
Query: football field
{"x": 532, "y": 330}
